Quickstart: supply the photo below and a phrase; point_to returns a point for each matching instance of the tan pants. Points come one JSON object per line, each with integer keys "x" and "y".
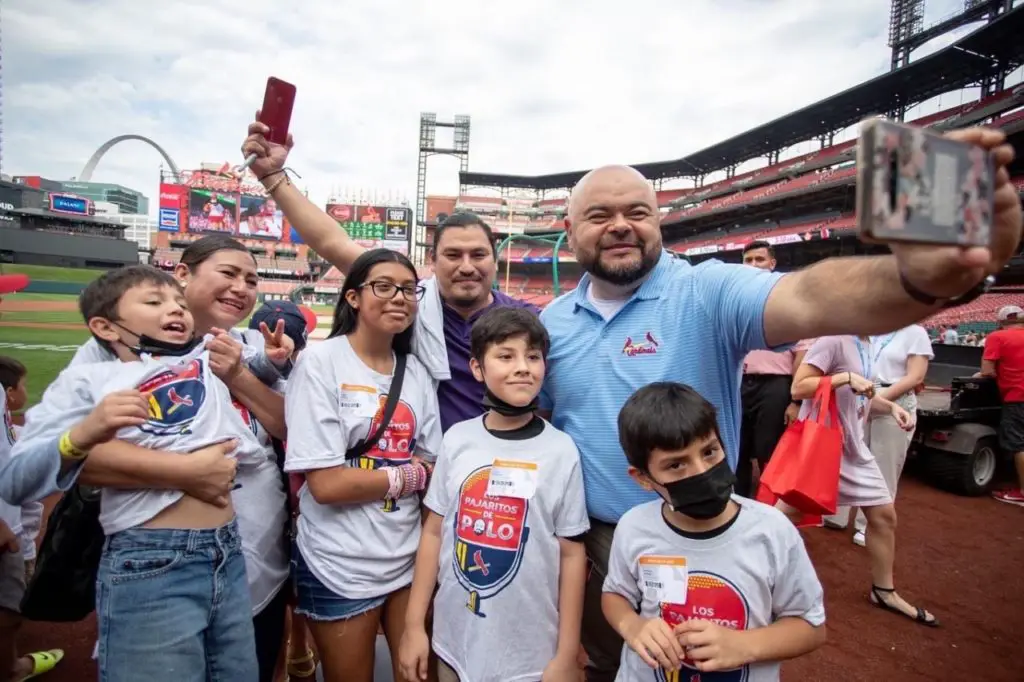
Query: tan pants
{"x": 889, "y": 444}
{"x": 445, "y": 673}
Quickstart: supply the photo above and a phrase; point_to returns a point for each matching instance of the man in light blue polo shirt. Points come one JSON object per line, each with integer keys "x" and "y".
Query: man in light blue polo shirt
{"x": 640, "y": 316}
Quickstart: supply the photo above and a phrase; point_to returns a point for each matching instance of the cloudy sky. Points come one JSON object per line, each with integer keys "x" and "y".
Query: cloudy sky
{"x": 550, "y": 86}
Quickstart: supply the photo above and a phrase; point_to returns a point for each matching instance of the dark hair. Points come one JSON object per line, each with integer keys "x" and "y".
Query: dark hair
{"x": 463, "y": 219}
{"x": 346, "y": 317}
{"x": 499, "y": 324}
{"x": 201, "y": 249}
{"x": 759, "y": 244}
{"x": 665, "y": 415}
{"x": 11, "y": 372}
{"x": 101, "y": 296}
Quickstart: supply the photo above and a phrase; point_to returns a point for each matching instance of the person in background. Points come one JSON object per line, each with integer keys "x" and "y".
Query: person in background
{"x": 464, "y": 264}
{"x": 700, "y": 580}
{"x": 950, "y": 337}
{"x": 1003, "y": 360}
{"x": 14, "y": 564}
{"x": 899, "y": 363}
{"x": 13, "y": 376}
{"x": 299, "y": 322}
{"x": 845, "y": 361}
{"x": 767, "y": 407}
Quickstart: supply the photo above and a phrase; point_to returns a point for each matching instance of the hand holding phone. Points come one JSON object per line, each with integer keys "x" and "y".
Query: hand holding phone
{"x": 276, "y": 114}
{"x": 916, "y": 186}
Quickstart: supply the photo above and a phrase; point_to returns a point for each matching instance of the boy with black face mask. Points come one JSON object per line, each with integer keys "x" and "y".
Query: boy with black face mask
{"x": 172, "y": 596}
{"x": 723, "y": 584}
{"x": 502, "y": 538}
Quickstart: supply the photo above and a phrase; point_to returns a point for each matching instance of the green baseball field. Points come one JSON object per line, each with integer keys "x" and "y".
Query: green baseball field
{"x": 44, "y": 330}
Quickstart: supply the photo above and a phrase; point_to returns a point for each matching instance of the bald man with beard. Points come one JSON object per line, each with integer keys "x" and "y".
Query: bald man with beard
{"x": 639, "y": 316}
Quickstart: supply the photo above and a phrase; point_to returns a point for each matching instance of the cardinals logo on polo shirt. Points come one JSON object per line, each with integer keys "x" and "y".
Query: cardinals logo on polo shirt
{"x": 712, "y": 598}
{"x": 490, "y": 536}
{"x": 395, "y": 446}
{"x": 175, "y": 397}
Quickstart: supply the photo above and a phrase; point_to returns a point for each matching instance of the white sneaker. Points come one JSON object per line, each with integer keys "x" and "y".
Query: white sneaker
{"x": 858, "y": 538}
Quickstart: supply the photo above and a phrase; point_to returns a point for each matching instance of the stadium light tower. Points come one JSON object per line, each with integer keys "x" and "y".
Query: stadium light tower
{"x": 907, "y": 32}
{"x": 427, "y": 148}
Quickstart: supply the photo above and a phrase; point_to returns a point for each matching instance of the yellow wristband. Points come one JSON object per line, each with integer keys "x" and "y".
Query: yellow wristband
{"x": 69, "y": 450}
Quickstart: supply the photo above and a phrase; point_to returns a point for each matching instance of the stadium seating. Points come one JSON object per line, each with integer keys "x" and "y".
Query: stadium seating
{"x": 983, "y": 309}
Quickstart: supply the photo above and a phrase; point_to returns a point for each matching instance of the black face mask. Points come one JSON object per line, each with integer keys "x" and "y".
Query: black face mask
{"x": 151, "y": 346}
{"x": 703, "y": 496}
{"x": 493, "y": 402}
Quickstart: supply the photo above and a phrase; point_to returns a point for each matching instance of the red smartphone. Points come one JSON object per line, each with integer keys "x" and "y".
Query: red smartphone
{"x": 276, "y": 112}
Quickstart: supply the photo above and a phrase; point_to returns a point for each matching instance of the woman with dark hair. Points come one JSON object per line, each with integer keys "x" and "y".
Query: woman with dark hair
{"x": 219, "y": 278}
{"x": 359, "y": 509}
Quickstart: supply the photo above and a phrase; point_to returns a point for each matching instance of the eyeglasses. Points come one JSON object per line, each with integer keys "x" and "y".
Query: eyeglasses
{"x": 388, "y": 290}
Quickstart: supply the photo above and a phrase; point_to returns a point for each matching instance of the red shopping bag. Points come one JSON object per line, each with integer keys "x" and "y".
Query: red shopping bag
{"x": 804, "y": 468}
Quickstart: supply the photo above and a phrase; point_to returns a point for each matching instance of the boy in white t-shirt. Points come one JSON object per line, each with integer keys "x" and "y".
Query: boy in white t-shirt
{"x": 172, "y": 595}
{"x": 506, "y": 515}
{"x": 702, "y": 584}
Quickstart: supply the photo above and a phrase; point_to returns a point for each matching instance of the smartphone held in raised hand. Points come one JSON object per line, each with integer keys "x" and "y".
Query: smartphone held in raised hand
{"x": 276, "y": 113}
{"x": 916, "y": 186}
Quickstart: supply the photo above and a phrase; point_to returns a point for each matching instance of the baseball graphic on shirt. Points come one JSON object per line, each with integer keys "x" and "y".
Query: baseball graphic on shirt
{"x": 712, "y": 598}
{"x": 175, "y": 397}
{"x": 395, "y": 446}
{"x": 490, "y": 535}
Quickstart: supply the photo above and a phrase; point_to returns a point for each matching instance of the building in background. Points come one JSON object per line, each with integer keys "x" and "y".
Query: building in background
{"x": 127, "y": 200}
{"x": 37, "y": 182}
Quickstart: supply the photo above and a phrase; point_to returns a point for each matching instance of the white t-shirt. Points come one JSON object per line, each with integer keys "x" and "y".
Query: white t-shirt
{"x": 9, "y": 513}
{"x": 747, "y": 576}
{"x": 190, "y": 409}
{"x": 260, "y": 500}
{"x": 334, "y": 400}
{"x": 496, "y": 609}
{"x": 890, "y": 353}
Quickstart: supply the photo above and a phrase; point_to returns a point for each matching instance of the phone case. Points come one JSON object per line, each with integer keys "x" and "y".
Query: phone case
{"x": 916, "y": 186}
{"x": 276, "y": 112}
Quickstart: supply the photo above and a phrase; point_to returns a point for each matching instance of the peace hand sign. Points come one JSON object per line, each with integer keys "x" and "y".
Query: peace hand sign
{"x": 277, "y": 345}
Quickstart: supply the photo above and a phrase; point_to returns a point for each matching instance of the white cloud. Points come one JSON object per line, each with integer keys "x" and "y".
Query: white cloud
{"x": 550, "y": 86}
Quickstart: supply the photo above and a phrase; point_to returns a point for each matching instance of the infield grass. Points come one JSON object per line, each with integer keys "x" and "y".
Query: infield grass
{"x": 43, "y": 364}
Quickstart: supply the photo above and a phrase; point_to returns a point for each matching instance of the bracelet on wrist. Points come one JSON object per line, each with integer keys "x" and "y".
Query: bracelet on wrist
{"x": 270, "y": 174}
{"x": 69, "y": 450}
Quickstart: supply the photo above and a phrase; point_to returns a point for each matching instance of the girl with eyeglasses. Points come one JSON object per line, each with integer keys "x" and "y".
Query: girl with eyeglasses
{"x": 359, "y": 513}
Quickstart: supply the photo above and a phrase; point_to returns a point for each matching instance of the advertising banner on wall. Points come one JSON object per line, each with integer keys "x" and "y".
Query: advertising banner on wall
{"x": 374, "y": 227}
{"x": 173, "y": 201}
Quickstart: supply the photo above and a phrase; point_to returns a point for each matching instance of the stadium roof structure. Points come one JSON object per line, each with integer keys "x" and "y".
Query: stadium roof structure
{"x": 995, "y": 47}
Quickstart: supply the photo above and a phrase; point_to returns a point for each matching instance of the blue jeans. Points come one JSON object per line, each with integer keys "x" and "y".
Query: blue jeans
{"x": 173, "y": 606}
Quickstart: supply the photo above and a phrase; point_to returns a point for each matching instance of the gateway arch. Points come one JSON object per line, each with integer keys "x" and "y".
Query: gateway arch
{"x": 90, "y": 165}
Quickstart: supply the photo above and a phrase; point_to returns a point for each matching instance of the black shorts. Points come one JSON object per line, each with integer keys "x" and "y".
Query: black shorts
{"x": 1011, "y": 427}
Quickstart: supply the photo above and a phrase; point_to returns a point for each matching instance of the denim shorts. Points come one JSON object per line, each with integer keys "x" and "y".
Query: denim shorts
{"x": 316, "y": 601}
{"x": 174, "y": 605}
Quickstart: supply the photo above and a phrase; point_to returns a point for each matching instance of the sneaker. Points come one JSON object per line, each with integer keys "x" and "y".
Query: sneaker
{"x": 1011, "y": 496}
{"x": 858, "y": 538}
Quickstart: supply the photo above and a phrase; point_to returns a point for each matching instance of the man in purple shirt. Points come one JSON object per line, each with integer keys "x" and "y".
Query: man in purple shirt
{"x": 460, "y": 291}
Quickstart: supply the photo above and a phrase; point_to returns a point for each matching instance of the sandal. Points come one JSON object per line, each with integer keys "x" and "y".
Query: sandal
{"x": 303, "y": 667}
{"x": 921, "y": 617}
{"x": 43, "y": 662}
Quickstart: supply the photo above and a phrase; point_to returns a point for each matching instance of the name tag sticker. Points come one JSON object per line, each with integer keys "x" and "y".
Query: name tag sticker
{"x": 664, "y": 578}
{"x": 512, "y": 478}
{"x": 362, "y": 400}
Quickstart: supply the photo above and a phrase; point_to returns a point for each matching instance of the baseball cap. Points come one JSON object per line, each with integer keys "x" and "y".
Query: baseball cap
{"x": 1010, "y": 312}
{"x": 11, "y": 283}
{"x": 299, "y": 320}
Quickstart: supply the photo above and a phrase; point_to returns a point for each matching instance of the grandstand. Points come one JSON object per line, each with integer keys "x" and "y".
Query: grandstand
{"x": 282, "y": 267}
{"x": 804, "y": 204}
